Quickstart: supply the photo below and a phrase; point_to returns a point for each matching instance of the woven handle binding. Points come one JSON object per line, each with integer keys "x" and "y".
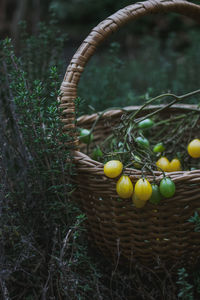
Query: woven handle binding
{"x": 99, "y": 34}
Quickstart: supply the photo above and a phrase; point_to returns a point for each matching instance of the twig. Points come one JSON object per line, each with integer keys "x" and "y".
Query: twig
{"x": 4, "y": 289}
{"x": 177, "y": 98}
{"x": 100, "y": 114}
{"x": 62, "y": 252}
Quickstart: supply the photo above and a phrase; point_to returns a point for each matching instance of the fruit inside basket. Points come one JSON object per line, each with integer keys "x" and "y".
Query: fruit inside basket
{"x": 144, "y": 228}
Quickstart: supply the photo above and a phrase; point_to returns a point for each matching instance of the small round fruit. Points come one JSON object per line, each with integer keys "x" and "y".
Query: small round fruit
{"x": 113, "y": 168}
{"x": 124, "y": 187}
{"x": 137, "y": 162}
{"x": 156, "y": 196}
{"x": 158, "y": 148}
{"x": 142, "y": 142}
{"x": 194, "y": 148}
{"x": 147, "y": 123}
{"x": 174, "y": 165}
{"x": 143, "y": 189}
{"x": 85, "y": 136}
{"x": 167, "y": 187}
{"x": 137, "y": 202}
{"x": 163, "y": 163}
{"x": 97, "y": 154}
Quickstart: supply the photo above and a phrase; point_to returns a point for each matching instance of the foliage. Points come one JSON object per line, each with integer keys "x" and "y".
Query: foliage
{"x": 43, "y": 253}
{"x": 196, "y": 220}
{"x": 186, "y": 289}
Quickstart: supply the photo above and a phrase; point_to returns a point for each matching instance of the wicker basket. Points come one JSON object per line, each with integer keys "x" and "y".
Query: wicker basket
{"x": 117, "y": 228}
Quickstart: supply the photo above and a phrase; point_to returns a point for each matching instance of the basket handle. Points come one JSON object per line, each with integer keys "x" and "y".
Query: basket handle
{"x": 98, "y": 35}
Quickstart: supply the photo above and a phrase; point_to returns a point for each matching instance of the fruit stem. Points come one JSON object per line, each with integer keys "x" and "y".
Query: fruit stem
{"x": 100, "y": 114}
{"x": 177, "y": 98}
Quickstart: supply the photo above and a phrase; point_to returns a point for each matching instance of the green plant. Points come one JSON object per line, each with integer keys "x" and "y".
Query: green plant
{"x": 43, "y": 249}
{"x": 185, "y": 289}
{"x": 196, "y": 220}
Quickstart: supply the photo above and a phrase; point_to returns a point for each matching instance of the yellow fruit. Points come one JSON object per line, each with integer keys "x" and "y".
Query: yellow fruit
{"x": 124, "y": 187}
{"x": 194, "y": 148}
{"x": 113, "y": 168}
{"x": 143, "y": 189}
{"x": 137, "y": 202}
{"x": 174, "y": 165}
{"x": 163, "y": 163}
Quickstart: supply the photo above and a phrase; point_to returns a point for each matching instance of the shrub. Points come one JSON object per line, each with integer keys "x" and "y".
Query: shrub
{"x": 43, "y": 252}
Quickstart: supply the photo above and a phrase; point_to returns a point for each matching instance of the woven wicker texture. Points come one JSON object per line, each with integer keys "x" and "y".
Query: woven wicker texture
{"x": 116, "y": 227}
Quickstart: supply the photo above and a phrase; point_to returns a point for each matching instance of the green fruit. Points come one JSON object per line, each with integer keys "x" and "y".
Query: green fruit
{"x": 143, "y": 142}
{"x": 158, "y": 148}
{"x": 192, "y": 169}
{"x": 85, "y": 136}
{"x": 137, "y": 162}
{"x": 167, "y": 187}
{"x": 156, "y": 196}
{"x": 147, "y": 123}
{"x": 97, "y": 154}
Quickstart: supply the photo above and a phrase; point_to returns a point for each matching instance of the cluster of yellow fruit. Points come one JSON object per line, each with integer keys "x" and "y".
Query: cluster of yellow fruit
{"x": 167, "y": 166}
{"x": 143, "y": 189}
{"x": 193, "y": 149}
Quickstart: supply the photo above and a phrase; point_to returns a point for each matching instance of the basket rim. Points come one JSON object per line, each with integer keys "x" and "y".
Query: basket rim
{"x": 117, "y": 111}
{"x": 96, "y": 168}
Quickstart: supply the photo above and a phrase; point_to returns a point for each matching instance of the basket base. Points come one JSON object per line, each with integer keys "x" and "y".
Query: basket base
{"x": 126, "y": 243}
{"x": 125, "y": 260}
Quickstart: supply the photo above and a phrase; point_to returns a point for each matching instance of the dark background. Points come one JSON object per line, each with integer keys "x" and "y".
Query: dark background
{"x": 78, "y": 17}
{"x": 153, "y": 55}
